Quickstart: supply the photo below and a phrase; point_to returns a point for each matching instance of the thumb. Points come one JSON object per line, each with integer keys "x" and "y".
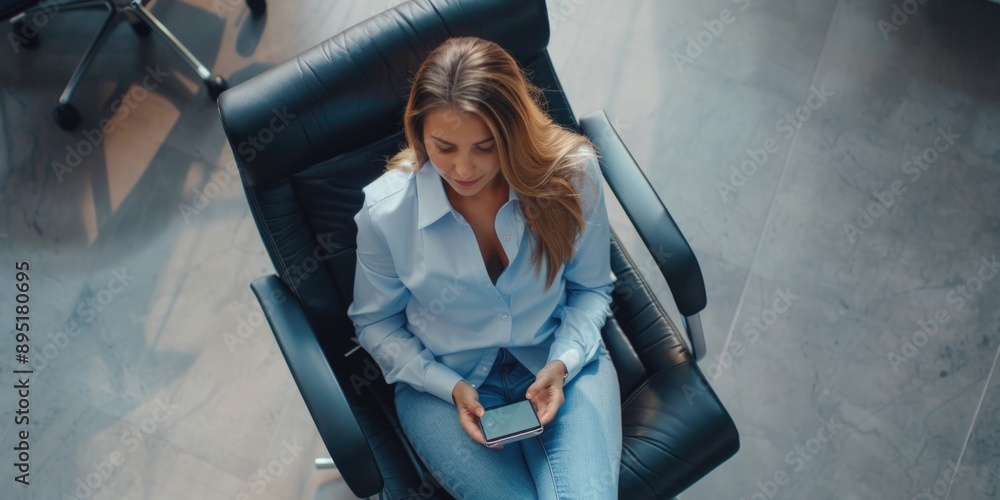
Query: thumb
{"x": 479, "y": 410}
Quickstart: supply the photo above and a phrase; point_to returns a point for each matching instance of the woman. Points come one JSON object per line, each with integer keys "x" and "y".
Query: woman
{"x": 449, "y": 296}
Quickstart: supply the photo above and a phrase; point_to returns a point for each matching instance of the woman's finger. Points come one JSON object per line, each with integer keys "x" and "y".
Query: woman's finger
{"x": 533, "y": 390}
{"x": 472, "y": 428}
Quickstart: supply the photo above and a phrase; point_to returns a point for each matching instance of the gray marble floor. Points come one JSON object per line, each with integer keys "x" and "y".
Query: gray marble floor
{"x": 853, "y": 317}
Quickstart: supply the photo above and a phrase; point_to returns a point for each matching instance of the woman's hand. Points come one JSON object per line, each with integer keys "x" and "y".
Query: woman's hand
{"x": 546, "y": 394}
{"x": 466, "y": 399}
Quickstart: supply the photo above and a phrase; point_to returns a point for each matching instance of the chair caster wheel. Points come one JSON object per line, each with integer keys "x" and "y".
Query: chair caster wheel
{"x": 67, "y": 117}
{"x": 216, "y": 86}
{"x": 140, "y": 28}
{"x": 19, "y": 36}
{"x": 257, "y": 7}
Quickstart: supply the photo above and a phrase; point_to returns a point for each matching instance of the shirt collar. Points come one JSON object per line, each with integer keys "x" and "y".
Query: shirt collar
{"x": 432, "y": 201}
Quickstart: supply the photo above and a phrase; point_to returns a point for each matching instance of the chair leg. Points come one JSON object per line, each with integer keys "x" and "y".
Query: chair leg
{"x": 325, "y": 463}
{"x": 216, "y": 85}
{"x": 65, "y": 114}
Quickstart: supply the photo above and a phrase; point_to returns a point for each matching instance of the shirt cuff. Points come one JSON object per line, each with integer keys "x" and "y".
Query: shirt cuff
{"x": 571, "y": 357}
{"x": 440, "y": 381}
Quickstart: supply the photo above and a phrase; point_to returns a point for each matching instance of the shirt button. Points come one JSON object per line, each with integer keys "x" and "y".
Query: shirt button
{"x": 485, "y": 369}
{"x": 473, "y": 386}
{"x": 506, "y": 237}
{"x": 504, "y": 317}
{"x": 496, "y": 297}
{"x": 486, "y": 285}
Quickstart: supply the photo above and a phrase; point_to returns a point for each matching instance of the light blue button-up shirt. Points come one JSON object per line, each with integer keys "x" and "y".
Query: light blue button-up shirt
{"x": 426, "y": 309}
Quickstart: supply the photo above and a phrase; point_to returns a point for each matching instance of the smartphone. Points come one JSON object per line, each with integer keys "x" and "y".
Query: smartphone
{"x": 509, "y": 423}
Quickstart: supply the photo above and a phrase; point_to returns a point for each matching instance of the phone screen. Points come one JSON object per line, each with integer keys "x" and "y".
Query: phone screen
{"x": 508, "y": 420}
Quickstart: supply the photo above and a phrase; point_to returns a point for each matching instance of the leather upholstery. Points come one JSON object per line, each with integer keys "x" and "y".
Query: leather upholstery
{"x": 345, "y": 97}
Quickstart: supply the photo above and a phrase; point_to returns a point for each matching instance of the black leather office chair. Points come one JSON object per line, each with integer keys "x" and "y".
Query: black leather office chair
{"x": 28, "y": 16}
{"x": 310, "y": 133}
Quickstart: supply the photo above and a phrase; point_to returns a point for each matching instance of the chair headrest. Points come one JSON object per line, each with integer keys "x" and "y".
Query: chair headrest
{"x": 350, "y": 90}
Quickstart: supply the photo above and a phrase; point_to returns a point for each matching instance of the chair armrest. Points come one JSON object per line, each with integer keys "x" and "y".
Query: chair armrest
{"x": 664, "y": 240}
{"x": 319, "y": 387}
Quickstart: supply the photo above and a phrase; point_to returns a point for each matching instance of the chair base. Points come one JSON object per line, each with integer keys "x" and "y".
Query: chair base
{"x": 143, "y": 22}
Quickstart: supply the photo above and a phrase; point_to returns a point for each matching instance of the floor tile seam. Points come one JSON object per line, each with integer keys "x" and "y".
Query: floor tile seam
{"x": 972, "y": 425}
{"x": 781, "y": 182}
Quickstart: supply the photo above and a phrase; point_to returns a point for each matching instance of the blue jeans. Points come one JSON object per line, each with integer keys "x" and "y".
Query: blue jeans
{"x": 578, "y": 455}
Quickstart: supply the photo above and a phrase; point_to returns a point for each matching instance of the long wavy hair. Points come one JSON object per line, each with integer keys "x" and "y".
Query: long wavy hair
{"x": 540, "y": 159}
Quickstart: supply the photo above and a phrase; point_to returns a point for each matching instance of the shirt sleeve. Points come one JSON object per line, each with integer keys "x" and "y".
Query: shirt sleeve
{"x": 589, "y": 282}
{"x": 379, "y": 316}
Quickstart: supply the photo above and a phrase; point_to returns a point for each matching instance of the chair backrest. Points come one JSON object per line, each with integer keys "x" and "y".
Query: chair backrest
{"x": 328, "y": 120}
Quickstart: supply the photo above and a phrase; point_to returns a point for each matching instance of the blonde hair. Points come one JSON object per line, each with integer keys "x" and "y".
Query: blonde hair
{"x": 540, "y": 159}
